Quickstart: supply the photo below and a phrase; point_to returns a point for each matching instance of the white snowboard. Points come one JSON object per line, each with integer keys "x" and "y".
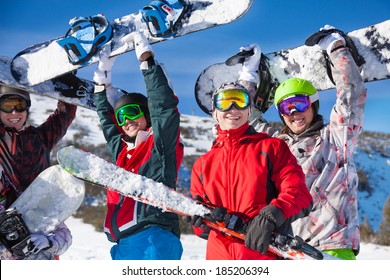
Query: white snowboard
{"x": 50, "y": 199}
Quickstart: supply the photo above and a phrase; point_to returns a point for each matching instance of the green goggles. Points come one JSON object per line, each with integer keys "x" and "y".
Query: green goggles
{"x": 129, "y": 111}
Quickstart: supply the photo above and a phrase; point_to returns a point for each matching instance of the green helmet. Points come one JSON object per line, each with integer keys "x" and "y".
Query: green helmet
{"x": 294, "y": 86}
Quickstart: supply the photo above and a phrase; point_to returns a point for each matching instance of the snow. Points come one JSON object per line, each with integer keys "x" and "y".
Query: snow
{"x": 88, "y": 244}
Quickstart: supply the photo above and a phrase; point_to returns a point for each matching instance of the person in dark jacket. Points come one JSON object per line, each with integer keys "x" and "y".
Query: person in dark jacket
{"x": 143, "y": 137}
{"x": 24, "y": 153}
{"x": 249, "y": 175}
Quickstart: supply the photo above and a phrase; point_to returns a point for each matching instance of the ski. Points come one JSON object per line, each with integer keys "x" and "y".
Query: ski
{"x": 93, "y": 169}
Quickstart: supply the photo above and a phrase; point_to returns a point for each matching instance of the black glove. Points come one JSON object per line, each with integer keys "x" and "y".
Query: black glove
{"x": 228, "y": 220}
{"x": 260, "y": 229}
{"x": 195, "y": 221}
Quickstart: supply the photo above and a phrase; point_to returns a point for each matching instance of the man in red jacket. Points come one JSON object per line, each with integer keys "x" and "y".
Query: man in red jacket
{"x": 252, "y": 176}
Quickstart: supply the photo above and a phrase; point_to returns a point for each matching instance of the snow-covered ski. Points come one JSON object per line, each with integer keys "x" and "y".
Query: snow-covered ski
{"x": 91, "y": 168}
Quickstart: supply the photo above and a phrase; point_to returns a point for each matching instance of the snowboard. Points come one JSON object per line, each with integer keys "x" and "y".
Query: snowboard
{"x": 97, "y": 171}
{"x": 48, "y": 60}
{"x": 372, "y": 44}
{"x": 68, "y": 88}
{"x": 49, "y": 200}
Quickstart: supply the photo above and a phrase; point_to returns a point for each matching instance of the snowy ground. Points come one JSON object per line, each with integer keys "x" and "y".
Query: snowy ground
{"x": 91, "y": 250}
{"x": 89, "y": 244}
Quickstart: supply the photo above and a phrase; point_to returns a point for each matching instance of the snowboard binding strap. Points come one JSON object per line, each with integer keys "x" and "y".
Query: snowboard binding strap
{"x": 69, "y": 85}
{"x": 317, "y": 36}
{"x": 162, "y": 17}
{"x": 85, "y": 37}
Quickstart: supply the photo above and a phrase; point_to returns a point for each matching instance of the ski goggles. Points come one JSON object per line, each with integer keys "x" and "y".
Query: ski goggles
{"x": 297, "y": 103}
{"x": 224, "y": 100}
{"x": 17, "y": 104}
{"x": 129, "y": 111}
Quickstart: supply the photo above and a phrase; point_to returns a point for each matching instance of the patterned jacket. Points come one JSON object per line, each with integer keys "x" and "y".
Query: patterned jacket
{"x": 26, "y": 153}
{"x": 325, "y": 153}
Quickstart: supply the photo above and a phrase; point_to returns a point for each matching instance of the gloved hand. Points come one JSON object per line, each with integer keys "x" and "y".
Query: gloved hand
{"x": 229, "y": 220}
{"x": 260, "y": 229}
{"x": 141, "y": 44}
{"x": 38, "y": 242}
{"x": 195, "y": 221}
{"x": 328, "y": 42}
{"x": 102, "y": 75}
{"x": 251, "y": 64}
{"x": 219, "y": 214}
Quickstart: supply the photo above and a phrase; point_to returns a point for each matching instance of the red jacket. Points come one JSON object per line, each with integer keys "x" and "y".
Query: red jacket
{"x": 245, "y": 171}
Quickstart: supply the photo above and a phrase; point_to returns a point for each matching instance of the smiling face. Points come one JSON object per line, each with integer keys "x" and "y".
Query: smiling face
{"x": 232, "y": 118}
{"x": 14, "y": 119}
{"x": 298, "y": 122}
{"x": 132, "y": 127}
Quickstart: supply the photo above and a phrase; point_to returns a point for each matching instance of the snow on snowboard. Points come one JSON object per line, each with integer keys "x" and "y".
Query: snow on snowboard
{"x": 161, "y": 20}
{"x": 49, "y": 200}
{"x": 93, "y": 169}
{"x": 372, "y": 44}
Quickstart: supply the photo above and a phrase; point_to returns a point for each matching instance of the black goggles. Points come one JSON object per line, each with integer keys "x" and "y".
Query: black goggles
{"x": 7, "y": 105}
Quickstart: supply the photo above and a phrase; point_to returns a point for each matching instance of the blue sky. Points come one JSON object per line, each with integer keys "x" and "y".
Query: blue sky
{"x": 273, "y": 24}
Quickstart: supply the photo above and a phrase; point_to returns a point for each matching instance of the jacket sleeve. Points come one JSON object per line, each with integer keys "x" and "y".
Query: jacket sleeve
{"x": 196, "y": 189}
{"x": 165, "y": 119}
{"x": 61, "y": 238}
{"x": 107, "y": 120}
{"x": 55, "y": 127}
{"x": 294, "y": 199}
{"x": 346, "y": 119}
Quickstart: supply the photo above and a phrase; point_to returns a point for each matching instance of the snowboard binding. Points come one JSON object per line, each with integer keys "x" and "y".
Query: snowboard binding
{"x": 69, "y": 85}
{"x": 317, "y": 36}
{"x": 14, "y": 234}
{"x": 162, "y": 17}
{"x": 85, "y": 37}
{"x": 264, "y": 96}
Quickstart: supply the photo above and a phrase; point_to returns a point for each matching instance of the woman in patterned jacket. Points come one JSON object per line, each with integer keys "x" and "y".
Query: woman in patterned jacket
{"x": 325, "y": 151}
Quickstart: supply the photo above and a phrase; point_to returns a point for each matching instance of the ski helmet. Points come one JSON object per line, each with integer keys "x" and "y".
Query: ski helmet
{"x": 6, "y": 91}
{"x": 297, "y": 86}
{"x": 134, "y": 98}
